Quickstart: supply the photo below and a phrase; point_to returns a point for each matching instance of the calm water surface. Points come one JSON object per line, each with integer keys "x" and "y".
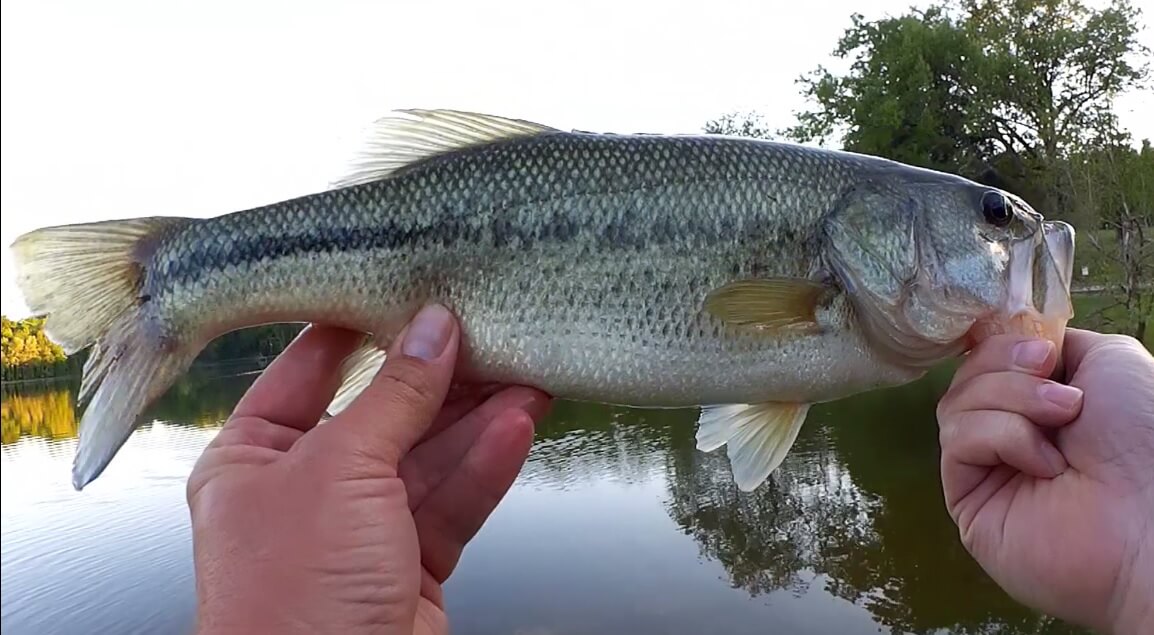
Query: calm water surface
{"x": 616, "y": 525}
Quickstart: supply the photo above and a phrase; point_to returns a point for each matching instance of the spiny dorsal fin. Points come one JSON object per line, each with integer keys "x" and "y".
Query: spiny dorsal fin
{"x": 406, "y": 136}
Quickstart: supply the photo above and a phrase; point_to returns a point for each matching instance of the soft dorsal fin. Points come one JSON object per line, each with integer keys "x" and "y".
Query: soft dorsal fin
{"x": 404, "y": 137}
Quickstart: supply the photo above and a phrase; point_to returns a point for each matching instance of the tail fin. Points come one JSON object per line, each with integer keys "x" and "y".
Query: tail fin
{"x": 87, "y": 279}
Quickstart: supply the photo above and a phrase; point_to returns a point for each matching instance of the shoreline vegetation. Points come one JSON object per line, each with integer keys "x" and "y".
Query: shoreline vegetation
{"x": 1017, "y": 95}
{"x": 29, "y": 356}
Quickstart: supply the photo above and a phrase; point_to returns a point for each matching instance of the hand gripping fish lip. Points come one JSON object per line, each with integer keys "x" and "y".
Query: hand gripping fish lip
{"x": 1039, "y": 273}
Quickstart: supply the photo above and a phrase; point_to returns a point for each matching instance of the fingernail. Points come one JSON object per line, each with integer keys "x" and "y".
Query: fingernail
{"x": 1061, "y": 395}
{"x": 1032, "y": 355}
{"x": 428, "y": 333}
{"x": 1054, "y": 458}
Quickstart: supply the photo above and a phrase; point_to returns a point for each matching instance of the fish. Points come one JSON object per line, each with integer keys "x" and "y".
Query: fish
{"x": 745, "y": 277}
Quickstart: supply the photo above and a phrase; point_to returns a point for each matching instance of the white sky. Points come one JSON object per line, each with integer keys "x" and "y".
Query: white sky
{"x": 118, "y": 108}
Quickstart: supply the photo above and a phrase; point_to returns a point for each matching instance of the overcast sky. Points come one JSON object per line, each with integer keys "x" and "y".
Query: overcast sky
{"x": 117, "y": 109}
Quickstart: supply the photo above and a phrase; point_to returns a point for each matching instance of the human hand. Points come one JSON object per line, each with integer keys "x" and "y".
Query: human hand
{"x": 351, "y": 526}
{"x": 1051, "y": 485}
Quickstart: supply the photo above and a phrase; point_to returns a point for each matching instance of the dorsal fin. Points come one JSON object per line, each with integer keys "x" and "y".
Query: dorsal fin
{"x": 404, "y": 137}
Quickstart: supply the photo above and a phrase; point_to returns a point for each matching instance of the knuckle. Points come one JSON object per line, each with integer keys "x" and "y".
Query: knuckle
{"x": 1112, "y": 343}
{"x": 1004, "y": 392}
{"x": 953, "y": 430}
{"x": 1013, "y": 430}
{"x": 946, "y": 434}
{"x": 965, "y": 396}
{"x": 1119, "y": 339}
{"x": 407, "y": 386}
{"x": 945, "y": 408}
{"x": 997, "y": 351}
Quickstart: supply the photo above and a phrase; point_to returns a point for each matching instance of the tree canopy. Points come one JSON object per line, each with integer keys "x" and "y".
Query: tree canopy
{"x": 1000, "y": 90}
{"x": 26, "y": 351}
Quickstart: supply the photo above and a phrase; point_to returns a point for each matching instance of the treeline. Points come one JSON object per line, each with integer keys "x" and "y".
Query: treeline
{"x": 1018, "y": 94}
{"x": 28, "y": 353}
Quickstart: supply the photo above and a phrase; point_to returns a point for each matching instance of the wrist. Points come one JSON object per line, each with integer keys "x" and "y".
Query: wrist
{"x": 210, "y": 622}
{"x": 1136, "y": 618}
{"x": 230, "y": 609}
{"x": 1138, "y": 623}
{"x": 1134, "y": 612}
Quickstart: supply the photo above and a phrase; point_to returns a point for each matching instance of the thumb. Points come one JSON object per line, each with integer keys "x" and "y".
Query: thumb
{"x": 394, "y": 411}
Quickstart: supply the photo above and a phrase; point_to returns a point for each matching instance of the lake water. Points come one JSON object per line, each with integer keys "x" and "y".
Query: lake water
{"x": 616, "y": 525}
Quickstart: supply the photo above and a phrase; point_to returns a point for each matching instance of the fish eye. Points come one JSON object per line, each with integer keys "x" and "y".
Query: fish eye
{"x": 996, "y": 209}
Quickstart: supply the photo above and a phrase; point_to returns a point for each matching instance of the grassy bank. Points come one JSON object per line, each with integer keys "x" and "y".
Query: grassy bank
{"x": 1100, "y": 312}
{"x": 1101, "y": 264}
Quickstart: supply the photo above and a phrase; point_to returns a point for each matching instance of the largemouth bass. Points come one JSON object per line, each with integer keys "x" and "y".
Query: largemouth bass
{"x": 747, "y": 277}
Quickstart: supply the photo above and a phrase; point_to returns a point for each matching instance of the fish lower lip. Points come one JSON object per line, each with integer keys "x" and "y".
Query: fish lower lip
{"x": 1020, "y": 280}
{"x": 1038, "y": 303}
{"x": 1059, "y": 238}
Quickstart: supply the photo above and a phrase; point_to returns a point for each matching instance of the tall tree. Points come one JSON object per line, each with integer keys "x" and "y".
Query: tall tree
{"x": 1114, "y": 184}
{"x": 999, "y": 90}
{"x": 1047, "y": 77}
{"x": 906, "y": 95}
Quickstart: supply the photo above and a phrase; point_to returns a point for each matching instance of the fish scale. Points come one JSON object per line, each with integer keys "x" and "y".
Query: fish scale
{"x": 747, "y": 277}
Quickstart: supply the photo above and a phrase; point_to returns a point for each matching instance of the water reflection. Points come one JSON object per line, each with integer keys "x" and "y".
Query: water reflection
{"x": 619, "y": 501}
{"x": 856, "y": 508}
{"x": 47, "y": 409}
{"x": 859, "y": 504}
{"x": 585, "y": 442}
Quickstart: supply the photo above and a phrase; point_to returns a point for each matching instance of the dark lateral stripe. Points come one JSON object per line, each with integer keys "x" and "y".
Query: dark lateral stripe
{"x": 610, "y": 193}
{"x": 619, "y": 233}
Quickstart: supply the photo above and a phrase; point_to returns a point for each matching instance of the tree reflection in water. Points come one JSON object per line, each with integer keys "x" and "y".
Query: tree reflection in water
{"x": 47, "y": 409}
{"x": 858, "y": 502}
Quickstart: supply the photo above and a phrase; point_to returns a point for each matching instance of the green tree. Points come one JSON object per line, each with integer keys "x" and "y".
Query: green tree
{"x": 1114, "y": 185}
{"x": 907, "y": 95}
{"x": 740, "y": 124}
{"x": 999, "y": 90}
{"x": 25, "y": 350}
{"x": 1049, "y": 73}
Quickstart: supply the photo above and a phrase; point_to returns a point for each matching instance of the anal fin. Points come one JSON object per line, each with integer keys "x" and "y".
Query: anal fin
{"x": 757, "y": 436}
{"x": 357, "y": 372}
{"x": 362, "y": 366}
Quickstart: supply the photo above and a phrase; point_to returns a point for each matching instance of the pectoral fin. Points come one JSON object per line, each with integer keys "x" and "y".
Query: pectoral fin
{"x": 758, "y": 436}
{"x": 771, "y": 303}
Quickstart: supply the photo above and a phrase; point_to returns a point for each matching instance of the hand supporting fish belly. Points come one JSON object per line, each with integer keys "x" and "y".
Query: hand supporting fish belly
{"x": 747, "y": 277}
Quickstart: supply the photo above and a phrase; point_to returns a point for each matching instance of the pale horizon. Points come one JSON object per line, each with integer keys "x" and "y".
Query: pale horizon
{"x": 131, "y": 108}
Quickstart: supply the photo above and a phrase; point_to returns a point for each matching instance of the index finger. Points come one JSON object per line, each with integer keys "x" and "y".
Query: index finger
{"x": 408, "y": 390}
{"x": 1079, "y": 343}
{"x": 1008, "y": 353}
{"x": 297, "y": 386}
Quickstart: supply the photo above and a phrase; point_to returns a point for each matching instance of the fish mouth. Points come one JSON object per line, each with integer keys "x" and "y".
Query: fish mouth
{"x": 1039, "y": 274}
